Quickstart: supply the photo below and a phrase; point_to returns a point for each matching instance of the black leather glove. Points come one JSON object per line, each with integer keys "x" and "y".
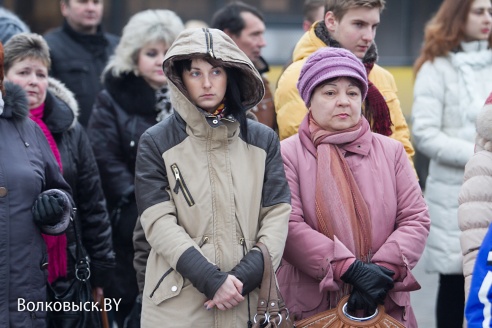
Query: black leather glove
{"x": 250, "y": 271}
{"x": 361, "y": 301}
{"x": 48, "y": 209}
{"x": 370, "y": 279}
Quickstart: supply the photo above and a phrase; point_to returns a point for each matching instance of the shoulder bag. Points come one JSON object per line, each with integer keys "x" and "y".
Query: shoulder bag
{"x": 271, "y": 311}
{"x": 79, "y": 292}
{"x": 340, "y": 318}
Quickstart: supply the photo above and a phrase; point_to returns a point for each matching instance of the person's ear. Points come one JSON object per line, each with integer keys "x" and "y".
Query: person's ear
{"x": 331, "y": 21}
{"x": 63, "y": 7}
{"x": 306, "y": 25}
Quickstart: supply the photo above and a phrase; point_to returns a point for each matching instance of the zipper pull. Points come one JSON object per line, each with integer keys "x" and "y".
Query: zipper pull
{"x": 178, "y": 179}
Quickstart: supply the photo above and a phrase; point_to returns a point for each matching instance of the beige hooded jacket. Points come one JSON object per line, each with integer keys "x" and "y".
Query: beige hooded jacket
{"x": 199, "y": 184}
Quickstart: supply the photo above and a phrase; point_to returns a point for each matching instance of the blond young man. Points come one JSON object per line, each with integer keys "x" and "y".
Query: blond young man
{"x": 349, "y": 24}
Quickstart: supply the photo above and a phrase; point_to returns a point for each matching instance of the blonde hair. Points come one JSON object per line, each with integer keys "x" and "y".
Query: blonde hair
{"x": 145, "y": 27}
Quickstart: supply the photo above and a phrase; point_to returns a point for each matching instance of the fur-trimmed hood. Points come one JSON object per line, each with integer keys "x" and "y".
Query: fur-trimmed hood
{"x": 484, "y": 127}
{"x": 16, "y": 104}
{"x": 61, "y": 108}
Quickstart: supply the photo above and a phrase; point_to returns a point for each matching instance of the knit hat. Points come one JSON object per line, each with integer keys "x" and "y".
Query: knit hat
{"x": 328, "y": 63}
{"x": 10, "y": 25}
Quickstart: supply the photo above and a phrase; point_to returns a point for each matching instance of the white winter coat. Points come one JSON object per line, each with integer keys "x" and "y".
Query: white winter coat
{"x": 448, "y": 94}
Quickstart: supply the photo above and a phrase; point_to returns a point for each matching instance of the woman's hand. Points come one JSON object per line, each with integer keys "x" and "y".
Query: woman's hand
{"x": 228, "y": 295}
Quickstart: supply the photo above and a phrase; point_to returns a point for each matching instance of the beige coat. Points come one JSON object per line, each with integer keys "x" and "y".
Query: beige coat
{"x": 475, "y": 209}
{"x": 236, "y": 193}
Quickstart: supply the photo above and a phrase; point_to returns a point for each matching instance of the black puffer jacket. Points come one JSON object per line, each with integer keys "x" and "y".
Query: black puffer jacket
{"x": 121, "y": 114}
{"x": 80, "y": 171}
{"x": 27, "y": 168}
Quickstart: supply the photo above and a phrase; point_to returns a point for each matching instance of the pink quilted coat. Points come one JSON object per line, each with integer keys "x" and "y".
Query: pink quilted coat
{"x": 400, "y": 224}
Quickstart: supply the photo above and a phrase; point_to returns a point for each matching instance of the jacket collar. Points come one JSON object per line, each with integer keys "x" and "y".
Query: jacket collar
{"x": 132, "y": 93}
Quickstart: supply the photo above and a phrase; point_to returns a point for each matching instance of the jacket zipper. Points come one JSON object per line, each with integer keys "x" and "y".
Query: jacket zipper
{"x": 180, "y": 184}
{"x": 209, "y": 41}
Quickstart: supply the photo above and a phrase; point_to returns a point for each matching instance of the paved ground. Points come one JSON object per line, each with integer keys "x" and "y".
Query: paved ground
{"x": 424, "y": 300}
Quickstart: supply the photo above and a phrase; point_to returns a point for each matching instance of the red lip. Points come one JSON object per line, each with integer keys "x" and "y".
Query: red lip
{"x": 485, "y": 30}
{"x": 208, "y": 95}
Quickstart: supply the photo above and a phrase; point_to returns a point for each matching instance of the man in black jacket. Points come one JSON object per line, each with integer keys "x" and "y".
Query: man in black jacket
{"x": 79, "y": 51}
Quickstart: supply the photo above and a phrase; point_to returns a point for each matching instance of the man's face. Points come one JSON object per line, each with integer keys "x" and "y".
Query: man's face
{"x": 251, "y": 39}
{"x": 83, "y": 15}
{"x": 356, "y": 30}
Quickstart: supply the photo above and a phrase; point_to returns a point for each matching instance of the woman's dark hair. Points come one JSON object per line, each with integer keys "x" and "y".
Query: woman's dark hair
{"x": 233, "y": 102}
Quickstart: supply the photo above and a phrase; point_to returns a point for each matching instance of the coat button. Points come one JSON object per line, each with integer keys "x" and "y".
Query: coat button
{"x": 215, "y": 121}
{"x": 3, "y": 191}
{"x": 174, "y": 288}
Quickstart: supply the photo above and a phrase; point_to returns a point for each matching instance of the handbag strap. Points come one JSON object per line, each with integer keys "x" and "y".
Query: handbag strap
{"x": 82, "y": 267}
{"x": 268, "y": 301}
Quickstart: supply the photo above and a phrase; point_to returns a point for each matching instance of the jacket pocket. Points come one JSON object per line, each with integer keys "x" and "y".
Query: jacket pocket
{"x": 181, "y": 184}
{"x": 162, "y": 282}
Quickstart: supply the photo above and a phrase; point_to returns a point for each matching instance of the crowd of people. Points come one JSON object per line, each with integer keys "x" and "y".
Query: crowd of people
{"x": 171, "y": 152}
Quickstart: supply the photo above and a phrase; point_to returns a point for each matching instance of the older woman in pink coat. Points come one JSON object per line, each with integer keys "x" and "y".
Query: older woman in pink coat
{"x": 359, "y": 222}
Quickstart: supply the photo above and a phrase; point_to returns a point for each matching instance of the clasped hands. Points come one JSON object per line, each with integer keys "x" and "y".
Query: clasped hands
{"x": 371, "y": 283}
{"x": 228, "y": 295}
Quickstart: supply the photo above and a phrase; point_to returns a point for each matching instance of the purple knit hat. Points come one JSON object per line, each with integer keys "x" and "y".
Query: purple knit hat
{"x": 327, "y": 63}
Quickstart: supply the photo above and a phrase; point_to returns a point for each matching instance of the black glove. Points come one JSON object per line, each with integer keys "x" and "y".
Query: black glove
{"x": 361, "y": 301}
{"x": 250, "y": 271}
{"x": 48, "y": 209}
{"x": 371, "y": 279}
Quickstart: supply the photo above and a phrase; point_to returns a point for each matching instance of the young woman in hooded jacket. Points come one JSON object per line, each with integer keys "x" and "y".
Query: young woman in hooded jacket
{"x": 209, "y": 186}
{"x": 29, "y": 176}
{"x": 53, "y": 107}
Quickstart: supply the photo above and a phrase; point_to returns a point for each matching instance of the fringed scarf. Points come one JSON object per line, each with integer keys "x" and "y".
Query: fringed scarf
{"x": 376, "y": 109}
{"x": 340, "y": 208}
{"x": 56, "y": 245}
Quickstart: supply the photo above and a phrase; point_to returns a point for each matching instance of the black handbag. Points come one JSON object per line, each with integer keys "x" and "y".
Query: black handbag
{"x": 74, "y": 307}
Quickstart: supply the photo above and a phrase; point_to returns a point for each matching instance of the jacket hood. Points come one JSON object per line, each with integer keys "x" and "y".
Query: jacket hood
{"x": 218, "y": 45}
{"x": 16, "y": 104}
{"x": 484, "y": 127}
{"x": 61, "y": 109}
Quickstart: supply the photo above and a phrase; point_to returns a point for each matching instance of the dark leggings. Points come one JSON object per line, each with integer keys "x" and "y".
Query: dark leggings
{"x": 450, "y": 301}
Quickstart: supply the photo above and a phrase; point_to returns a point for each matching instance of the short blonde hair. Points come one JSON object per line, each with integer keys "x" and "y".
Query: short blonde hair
{"x": 145, "y": 27}
{"x": 26, "y": 45}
